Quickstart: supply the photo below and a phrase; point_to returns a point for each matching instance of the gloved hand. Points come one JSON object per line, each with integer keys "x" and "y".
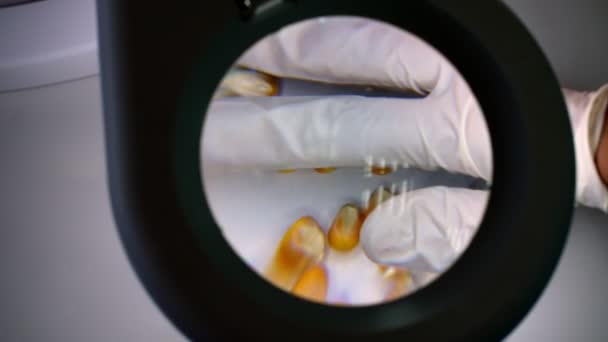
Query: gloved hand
{"x": 422, "y": 230}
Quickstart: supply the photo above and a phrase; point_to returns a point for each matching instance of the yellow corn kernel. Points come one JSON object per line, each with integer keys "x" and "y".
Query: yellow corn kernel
{"x": 377, "y": 197}
{"x": 302, "y": 246}
{"x": 399, "y": 281}
{"x": 381, "y": 171}
{"x": 344, "y": 231}
{"x": 312, "y": 285}
{"x": 274, "y": 83}
{"x": 325, "y": 169}
{"x": 243, "y": 82}
{"x": 286, "y": 171}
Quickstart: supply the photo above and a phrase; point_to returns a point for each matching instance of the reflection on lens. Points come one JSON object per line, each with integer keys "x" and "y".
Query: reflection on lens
{"x": 342, "y": 158}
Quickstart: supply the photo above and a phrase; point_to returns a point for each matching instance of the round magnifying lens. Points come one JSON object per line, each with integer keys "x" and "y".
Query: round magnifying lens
{"x": 346, "y": 161}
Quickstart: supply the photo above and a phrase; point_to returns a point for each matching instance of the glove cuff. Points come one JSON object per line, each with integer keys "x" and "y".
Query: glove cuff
{"x": 587, "y": 114}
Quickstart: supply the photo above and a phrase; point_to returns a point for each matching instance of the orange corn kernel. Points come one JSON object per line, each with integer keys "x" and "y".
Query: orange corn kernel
{"x": 302, "y": 245}
{"x": 344, "y": 231}
{"x": 242, "y": 82}
{"x": 274, "y": 83}
{"x": 325, "y": 169}
{"x": 381, "y": 171}
{"x": 377, "y": 197}
{"x": 399, "y": 281}
{"x": 312, "y": 285}
{"x": 383, "y": 268}
{"x": 286, "y": 171}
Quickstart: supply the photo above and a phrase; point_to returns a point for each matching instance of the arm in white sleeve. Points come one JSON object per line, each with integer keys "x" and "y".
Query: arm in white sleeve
{"x": 587, "y": 111}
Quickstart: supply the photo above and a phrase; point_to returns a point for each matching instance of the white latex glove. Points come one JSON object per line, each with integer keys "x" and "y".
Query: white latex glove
{"x": 423, "y": 230}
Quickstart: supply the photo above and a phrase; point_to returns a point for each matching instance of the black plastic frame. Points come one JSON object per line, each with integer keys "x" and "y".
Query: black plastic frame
{"x": 12, "y": 3}
{"x": 157, "y": 81}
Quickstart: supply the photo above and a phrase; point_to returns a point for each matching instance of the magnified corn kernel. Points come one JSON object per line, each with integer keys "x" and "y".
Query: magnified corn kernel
{"x": 344, "y": 231}
{"x": 378, "y": 196}
{"x": 242, "y": 82}
{"x": 325, "y": 169}
{"x": 383, "y": 268}
{"x": 399, "y": 281}
{"x": 286, "y": 171}
{"x": 312, "y": 284}
{"x": 302, "y": 246}
{"x": 381, "y": 170}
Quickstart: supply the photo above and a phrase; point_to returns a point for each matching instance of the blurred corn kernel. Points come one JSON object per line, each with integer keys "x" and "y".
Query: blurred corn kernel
{"x": 302, "y": 246}
{"x": 285, "y": 171}
{"x": 381, "y": 170}
{"x": 378, "y": 196}
{"x": 243, "y": 82}
{"x": 344, "y": 232}
{"x": 325, "y": 169}
{"x": 399, "y": 282}
{"x": 312, "y": 284}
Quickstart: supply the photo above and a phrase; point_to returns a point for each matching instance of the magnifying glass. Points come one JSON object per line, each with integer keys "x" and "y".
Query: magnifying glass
{"x": 191, "y": 230}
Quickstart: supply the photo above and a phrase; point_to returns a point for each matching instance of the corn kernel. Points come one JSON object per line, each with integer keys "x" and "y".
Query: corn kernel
{"x": 399, "y": 281}
{"x": 302, "y": 246}
{"x": 344, "y": 231}
{"x": 325, "y": 169}
{"x": 274, "y": 83}
{"x": 242, "y": 82}
{"x": 381, "y": 171}
{"x": 312, "y": 285}
{"x": 341, "y": 303}
{"x": 284, "y": 171}
{"x": 377, "y": 197}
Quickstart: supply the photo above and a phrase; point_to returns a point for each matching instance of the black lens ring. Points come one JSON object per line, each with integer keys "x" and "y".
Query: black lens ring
{"x": 500, "y": 276}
